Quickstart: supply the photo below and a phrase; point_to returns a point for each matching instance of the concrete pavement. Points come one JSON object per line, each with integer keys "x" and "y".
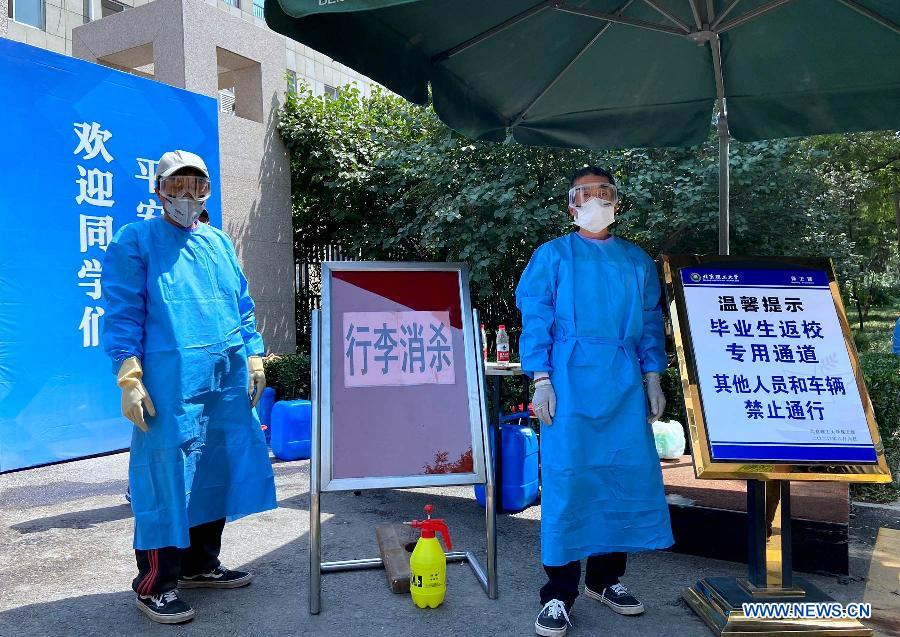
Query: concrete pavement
{"x": 66, "y": 565}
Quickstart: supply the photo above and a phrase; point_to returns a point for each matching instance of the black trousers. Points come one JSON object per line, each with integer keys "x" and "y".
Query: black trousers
{"x": 602, "y": 571}
{"x": 159, "y": 569}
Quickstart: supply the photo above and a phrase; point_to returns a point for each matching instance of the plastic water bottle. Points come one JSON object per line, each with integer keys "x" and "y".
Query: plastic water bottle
{"x": 483, "y": 343}
{"x": 502, "y": 345}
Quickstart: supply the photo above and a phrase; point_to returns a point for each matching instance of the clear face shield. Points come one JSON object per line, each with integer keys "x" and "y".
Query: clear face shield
{"x": 581, "y": 194}
{"x": 185, "y": 186}
{"x": 184, "y": 197}
{"x": 593, "y": 205}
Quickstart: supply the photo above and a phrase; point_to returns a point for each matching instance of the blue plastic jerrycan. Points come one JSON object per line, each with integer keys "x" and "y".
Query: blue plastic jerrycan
{"x": 264, "y": 411}
{"x": 520, "y": 468}
{"x": 291, "y": 429}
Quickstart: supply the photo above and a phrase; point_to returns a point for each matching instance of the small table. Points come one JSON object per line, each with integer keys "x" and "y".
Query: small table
{"x": 495, "y": 373}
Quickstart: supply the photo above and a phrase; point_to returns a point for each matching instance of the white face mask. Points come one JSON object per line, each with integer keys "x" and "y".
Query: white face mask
{"x": 183, "y": 210}
{"x": 595, "y": 215}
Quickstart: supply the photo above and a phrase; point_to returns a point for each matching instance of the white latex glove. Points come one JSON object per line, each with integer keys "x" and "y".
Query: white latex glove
{"x": 655, "y": 396}
{"x": 544, "y": 401}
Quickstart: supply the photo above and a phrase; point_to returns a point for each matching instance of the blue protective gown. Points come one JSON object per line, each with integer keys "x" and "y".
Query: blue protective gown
{"x": 177, "y": 300}
{"x": 591, "y": 318}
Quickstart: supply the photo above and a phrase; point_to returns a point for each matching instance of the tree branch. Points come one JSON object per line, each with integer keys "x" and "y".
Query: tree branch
{"x": 887, "y": 162}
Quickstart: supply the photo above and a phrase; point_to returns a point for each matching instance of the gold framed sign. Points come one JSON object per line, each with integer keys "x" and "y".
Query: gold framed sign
{"x": 772, "y": 384}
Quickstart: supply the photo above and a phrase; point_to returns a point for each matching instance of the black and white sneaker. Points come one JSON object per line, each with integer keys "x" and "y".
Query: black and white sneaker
{"x": 618, "y": 598}
{"x": 553, "y": 620}
{"x": 165, "y": 608}
{"x": 220, "y": 577}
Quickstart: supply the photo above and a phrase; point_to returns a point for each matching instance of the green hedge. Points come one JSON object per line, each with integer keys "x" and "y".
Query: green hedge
{"x": 671, "y": 384}
{"x": 288, "y": 375}
{"x": 882, "y": 374}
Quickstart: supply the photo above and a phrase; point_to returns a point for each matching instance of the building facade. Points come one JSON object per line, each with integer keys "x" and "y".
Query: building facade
{"x": 224, "y": 51}
{"x": 49, "y": 24}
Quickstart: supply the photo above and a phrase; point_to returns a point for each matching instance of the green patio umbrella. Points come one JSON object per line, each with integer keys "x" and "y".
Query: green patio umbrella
{"x": 622, "y": 73}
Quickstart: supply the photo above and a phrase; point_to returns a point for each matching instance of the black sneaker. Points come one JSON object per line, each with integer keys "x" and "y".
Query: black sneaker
{"x": 618, "y": 598}
{"x": 165, "y": 608}
{"x": 220, "y": 577}
{"x": 553, "y": 620}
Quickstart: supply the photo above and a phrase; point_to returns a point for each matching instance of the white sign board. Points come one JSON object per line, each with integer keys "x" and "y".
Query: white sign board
{"x": 775, "y": 375}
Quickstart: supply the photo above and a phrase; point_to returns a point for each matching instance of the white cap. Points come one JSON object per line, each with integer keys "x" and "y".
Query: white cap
{"x": 176, "y": 160}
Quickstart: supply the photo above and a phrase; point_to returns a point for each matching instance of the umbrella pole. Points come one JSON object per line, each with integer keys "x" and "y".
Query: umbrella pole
{"x": 724, "y": 180}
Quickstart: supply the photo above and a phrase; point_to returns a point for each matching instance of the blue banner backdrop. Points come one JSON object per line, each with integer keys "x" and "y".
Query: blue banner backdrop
{"x": 77, "y": 160}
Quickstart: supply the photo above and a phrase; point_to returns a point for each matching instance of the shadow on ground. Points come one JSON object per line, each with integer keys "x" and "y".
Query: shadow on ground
{"x": 75, "y": 520}
{"x": 357, "y": 602}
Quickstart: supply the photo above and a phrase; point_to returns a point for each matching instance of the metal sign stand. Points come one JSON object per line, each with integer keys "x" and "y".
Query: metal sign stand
{"x": 719, "y": 600}
{"x": 486, "y": 577}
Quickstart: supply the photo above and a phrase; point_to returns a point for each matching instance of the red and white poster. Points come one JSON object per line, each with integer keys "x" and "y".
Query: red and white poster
{"x": 402, "y": 396}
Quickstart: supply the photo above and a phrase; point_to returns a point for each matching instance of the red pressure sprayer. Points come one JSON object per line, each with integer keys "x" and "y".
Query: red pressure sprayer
{"x": 428, "y": 564}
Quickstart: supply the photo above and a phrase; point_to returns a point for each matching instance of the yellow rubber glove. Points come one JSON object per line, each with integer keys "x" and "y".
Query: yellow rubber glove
{"x": 257, "y": 379}
{"x": 134, "y": 395}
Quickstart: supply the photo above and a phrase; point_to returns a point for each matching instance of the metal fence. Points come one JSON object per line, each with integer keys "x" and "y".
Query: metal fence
{"x": 308, "y": 283}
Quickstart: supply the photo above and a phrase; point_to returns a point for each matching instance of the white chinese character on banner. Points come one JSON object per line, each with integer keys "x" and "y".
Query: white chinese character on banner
{"x": 90, "y": 324}
{"x": 92, "y": 141}
{"x": 95, "y": 187}
{"x": 148, "y": 172}
{"x": 95, "y": 231}
{"x": 149, "y": 210}
{"x": 91, "y": 271}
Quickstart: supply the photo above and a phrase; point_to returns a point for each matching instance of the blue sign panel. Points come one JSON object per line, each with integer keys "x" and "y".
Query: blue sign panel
{"x": 77, "y": 160}
{"x": 775, "y": 373}
{"x": 754, "y": 278}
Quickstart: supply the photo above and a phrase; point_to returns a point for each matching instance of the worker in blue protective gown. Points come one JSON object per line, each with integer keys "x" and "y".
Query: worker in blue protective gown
{"x": 180, "y": 329}
{"x": 591, "y": 328}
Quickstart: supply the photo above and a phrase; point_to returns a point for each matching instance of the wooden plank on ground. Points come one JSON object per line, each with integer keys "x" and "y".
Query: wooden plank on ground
{"x": 392, "y": 542}
{"x": 883, "y": 584}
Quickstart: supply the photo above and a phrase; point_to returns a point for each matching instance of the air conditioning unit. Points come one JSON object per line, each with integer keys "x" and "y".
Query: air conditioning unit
{"x": 226, "y": 101}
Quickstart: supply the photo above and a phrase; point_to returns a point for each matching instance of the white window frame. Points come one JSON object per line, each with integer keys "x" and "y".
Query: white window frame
{"x": 292, "y": 85}
{"x": 113, "y": 2}
{"x": 42, "y": 27}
